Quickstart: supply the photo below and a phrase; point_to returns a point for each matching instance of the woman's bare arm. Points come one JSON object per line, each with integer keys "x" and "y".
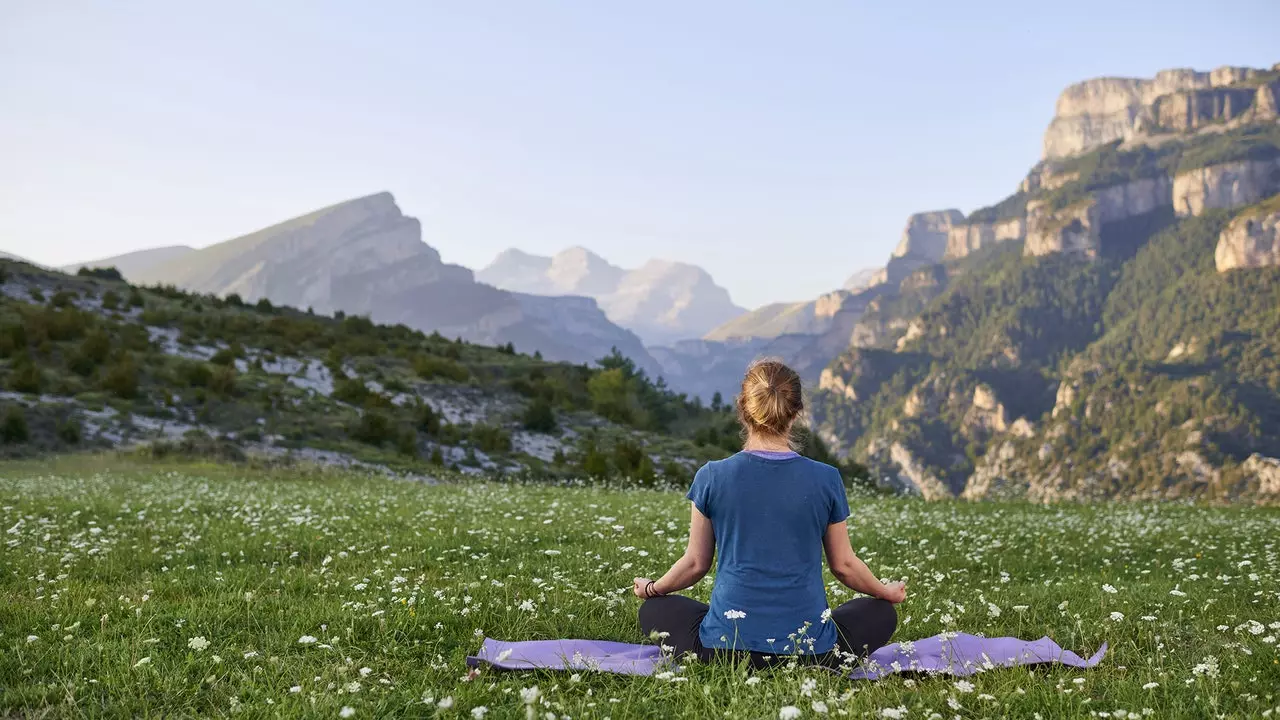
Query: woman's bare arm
{"x": 851, "y": 571}
{"x": 693, "y": 565}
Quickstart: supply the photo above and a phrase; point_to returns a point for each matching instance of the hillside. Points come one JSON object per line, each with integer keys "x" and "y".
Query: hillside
{"x": 90, "y": 362}
{"x": 133, "y": 264}
{"x": 365, "y": 257}
{"x": 1109, "y": 330}
{"x": 661, "y": 301}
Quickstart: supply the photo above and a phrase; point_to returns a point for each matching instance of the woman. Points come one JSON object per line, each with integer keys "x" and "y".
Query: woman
{"x": 771, "y": 513}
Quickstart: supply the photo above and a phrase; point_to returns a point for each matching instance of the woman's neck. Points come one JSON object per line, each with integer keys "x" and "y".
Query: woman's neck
{"x": 767, "y": 444}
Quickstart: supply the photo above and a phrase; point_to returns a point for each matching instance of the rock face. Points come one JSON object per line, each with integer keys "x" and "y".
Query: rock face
{"x": 1078, "y": 228}
{"x": 1096, "y": 112}
{"x": 1251, "y": 240}
{"x": 660, "y": 301}
{"x": 131, "y": 264}
{"x": 366, "y": 257}
{"x": 1226, "y": 185}
{"x": 967, "y": 238}
{"x": 924, "y": 242}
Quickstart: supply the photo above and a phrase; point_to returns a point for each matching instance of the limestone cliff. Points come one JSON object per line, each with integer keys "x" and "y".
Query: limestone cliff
{"x": 1078, "y": 227}
{"x": 1251, "y": 240}
{"x": 1099, "y": 111}
{"x": 967, "y": 238}
{"x": 924, "y": 242}
{"x": 1225, "y": 185}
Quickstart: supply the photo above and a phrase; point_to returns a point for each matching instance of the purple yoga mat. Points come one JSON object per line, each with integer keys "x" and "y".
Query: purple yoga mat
{"x": 950, "y": 653}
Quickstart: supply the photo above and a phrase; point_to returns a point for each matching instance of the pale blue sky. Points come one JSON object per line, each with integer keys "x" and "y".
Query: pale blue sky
{"x": 779, "y": 145}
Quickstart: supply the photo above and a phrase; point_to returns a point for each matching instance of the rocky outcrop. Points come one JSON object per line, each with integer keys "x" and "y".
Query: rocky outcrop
{"x": 926, "y": 234}
{"x": 1075, "y": 229}
{"x": 1225, "y": 185}
{"x": 915, "y": 477}
{"x": 986, "y": 415}
{"x": 1095, "y": 112}
{"x": 1251, "y": 240}
{"x": 1078, "y": 228}
{"x": 661, "y": 301}
{"x": 968, "y": 238}
{"x": 924, "y": 242}
{"x": 1265, "y": 471}
{"x": 1188, "y": 110}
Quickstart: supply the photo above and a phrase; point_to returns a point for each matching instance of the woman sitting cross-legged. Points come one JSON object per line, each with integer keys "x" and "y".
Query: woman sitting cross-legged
{"x": 771, "y": 513}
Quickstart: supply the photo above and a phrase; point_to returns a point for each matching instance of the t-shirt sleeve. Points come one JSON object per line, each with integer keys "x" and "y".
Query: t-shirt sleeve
{"x": 839, "y": 502}
{"x": 700, "y": 491}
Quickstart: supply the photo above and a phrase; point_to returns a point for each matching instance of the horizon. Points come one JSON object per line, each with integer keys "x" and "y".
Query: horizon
{"x": 710, "y": 136}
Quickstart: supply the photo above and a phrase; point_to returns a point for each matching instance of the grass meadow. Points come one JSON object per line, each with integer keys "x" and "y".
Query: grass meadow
{"x": 148, "y": 590}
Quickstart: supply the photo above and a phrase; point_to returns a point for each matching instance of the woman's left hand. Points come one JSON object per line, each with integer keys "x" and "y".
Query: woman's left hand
{"x": 638, "y": 586}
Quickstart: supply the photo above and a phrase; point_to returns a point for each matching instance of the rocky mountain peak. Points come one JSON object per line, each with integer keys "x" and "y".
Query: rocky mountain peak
{"x": 1098, "y": 111}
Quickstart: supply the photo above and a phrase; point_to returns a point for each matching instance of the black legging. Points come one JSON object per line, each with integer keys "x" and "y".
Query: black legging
{"x": 863, "y": 625}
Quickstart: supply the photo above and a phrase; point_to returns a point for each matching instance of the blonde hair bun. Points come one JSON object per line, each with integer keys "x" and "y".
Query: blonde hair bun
{"x": 771, "y": 398}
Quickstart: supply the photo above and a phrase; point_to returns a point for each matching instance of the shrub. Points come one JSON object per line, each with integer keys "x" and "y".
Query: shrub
{"x": 539, "y": 417}
{"x": 69, "y": 431}
{"x": 428, "y": 419}
{"x": 264, "y": 305}
{"x": 429, "y": 367}
{"x": 351, "y": 390}
{"x": 63, "y": 299}
{"x": 490, "y": 438}
{"x": 437, "y": 457}
{"x": 228, "y": 355}
{"x": 222, "y": 380}
{"x": 25, "y": 375}
{"x": 110, "y": 300}
{"x": 93, "y": 350}
{"x": 193, "y": 373}
{"x": 407, "y": 442}
{"x": 102, "y": 273}
{"x": 373, "y": 428}
{"x": 121, "y": 378}
{"x": 135, "y": 298}
{"x": 13, "y": 428}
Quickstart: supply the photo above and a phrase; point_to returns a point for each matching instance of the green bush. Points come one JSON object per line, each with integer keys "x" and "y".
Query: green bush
{"x": 102, "y": 273}
{"x": 121, "y": 378}
{"x": 539, "y": 417}
{"x": 351, "y": 390}
{"x": 69, "y": 431}
{"x": 429, "y": 367}
{"x": 13, "y": 428}
{"x": 490, "y": 438}
{"x": 25, "y": 376}
{"x": 193, "y": 373}
{"x": 373, "y": 428}
{"x": 428, "y": 419}
{"x": 110, "y": 300}
{"x": 135, "y": 298}
{"x": 222, "y": 380}
{"x": 93, "y": 351}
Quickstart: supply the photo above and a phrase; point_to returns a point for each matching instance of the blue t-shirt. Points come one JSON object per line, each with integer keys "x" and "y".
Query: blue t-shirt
{"x": 769, "y": 516}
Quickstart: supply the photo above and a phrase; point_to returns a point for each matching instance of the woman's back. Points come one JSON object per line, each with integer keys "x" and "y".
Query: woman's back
{"x": 769, "y": 516}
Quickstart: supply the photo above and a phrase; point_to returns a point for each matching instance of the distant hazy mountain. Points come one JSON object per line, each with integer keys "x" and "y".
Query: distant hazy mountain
{"x": 777, "y": 319}
{"x": 661, "y": 301}
{"x": 130, "y": 264}
{"x": 862, "y": 279}
{"x": 364, "y": 256}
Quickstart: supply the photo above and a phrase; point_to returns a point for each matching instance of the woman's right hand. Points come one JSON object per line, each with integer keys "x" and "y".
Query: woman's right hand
{"x": 894, "y": 592}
